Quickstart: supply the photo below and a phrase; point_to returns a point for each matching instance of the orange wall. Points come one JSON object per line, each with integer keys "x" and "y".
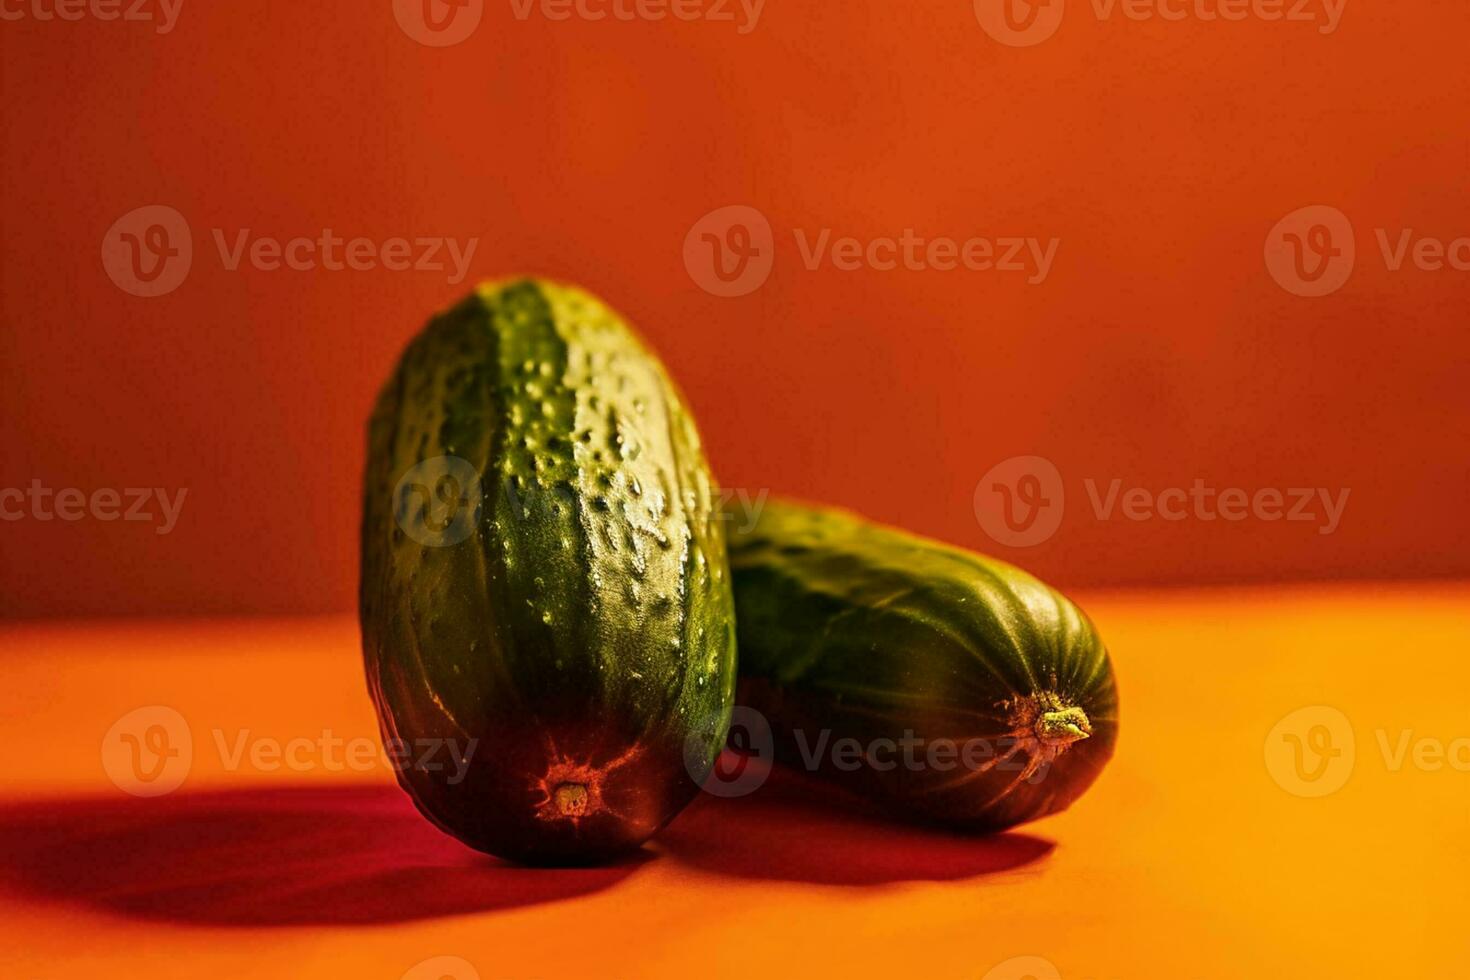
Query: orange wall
{"x": 1158, "y": 350}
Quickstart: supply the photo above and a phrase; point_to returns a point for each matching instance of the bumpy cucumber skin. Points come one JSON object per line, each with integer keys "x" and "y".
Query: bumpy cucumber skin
{"x": 870, "y": 633}
{"x": 583, "y": 633}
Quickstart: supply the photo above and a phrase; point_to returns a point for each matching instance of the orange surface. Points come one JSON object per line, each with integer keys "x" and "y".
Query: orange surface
{"x": 1161, "y": 153}
{"x": 1193, "y": 857}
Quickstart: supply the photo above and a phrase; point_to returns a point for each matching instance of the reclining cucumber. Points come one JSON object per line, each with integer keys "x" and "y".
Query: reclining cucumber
{"x": 543, "y": 580}
{"x": 951, "y": 687}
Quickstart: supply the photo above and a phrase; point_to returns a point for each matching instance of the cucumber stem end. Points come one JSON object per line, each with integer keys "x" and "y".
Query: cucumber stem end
{"x": 570, "y": 799}
{"x": 1063, "y": 726}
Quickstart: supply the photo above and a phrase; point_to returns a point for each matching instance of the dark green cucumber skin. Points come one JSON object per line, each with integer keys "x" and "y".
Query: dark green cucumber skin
{"x": 870, "y": 633}
{"x": 584, "y": 629}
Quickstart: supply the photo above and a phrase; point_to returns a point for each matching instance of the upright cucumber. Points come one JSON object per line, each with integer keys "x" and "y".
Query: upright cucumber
{"x": 951, "y": 687}
{"x": 544, "y": 584}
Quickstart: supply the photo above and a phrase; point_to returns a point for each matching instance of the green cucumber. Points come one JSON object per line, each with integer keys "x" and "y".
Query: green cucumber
{"x": 544, "y": 585}
{"x": 948, "y": 686}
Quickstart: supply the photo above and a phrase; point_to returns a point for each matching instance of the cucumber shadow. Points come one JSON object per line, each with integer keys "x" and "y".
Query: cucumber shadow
{"x": 351, "y": 855}
{"x": 795, "y": 828}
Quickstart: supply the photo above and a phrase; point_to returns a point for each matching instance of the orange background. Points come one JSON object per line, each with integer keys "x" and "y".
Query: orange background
{"x": 1190, "y": 859}
{"x": 1159, "y": 351}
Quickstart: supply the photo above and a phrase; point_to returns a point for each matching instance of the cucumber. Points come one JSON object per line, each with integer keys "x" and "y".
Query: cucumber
{"x": 545, "y": 598}
{"x": 947, "y": 686}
